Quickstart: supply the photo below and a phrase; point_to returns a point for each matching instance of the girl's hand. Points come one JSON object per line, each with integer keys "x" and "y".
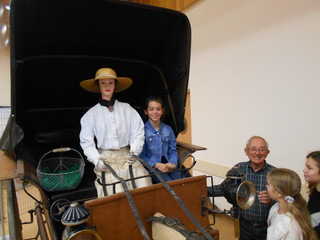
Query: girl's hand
{"x": 171, "y": 166}
{"x": 162, "y": 167}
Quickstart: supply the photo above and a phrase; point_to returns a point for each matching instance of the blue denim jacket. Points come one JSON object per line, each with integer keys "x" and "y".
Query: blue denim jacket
{"x": 159, "y": 143}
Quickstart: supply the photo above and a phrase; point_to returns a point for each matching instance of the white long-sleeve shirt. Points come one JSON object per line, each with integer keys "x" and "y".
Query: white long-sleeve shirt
{"x": 282, "y": 226}
{"x": 113, "y": 130}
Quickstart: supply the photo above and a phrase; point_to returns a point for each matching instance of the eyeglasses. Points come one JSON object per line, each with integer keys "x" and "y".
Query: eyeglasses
{"x": 260, "y": 150}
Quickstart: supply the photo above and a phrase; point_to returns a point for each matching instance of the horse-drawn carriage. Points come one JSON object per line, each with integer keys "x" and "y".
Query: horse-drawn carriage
{"x": 55, "y": 44}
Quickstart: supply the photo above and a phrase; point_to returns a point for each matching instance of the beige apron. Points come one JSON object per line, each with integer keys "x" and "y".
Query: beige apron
{"x": 117, "y": 160}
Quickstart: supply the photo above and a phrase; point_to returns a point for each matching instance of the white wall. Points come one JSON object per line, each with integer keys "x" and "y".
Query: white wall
{"x": 5, "y": 77}
{"x": 255, "y": 70}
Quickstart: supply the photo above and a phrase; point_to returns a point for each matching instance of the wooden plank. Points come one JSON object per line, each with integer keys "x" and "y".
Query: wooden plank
{"x": 177, "y": 5}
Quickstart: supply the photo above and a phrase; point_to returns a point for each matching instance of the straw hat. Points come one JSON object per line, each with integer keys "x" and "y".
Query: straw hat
{"x": 91, "y": 85}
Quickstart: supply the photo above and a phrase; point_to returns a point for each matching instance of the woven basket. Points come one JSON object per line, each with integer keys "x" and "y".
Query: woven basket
{"x": 60, "y": 173}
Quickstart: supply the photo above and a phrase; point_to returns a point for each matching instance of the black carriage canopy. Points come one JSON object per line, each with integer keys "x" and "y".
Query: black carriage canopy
{"x": 55, "y": 44}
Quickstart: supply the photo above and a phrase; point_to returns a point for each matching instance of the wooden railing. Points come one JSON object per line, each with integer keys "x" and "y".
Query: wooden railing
{"x": 178, "y": 5}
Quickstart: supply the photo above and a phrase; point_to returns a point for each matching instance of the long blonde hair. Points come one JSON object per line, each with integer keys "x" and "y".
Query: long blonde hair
{"x": 288, "y": 183}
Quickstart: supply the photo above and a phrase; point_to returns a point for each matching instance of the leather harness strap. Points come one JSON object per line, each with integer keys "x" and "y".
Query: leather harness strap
{"x": 104, "y": 188}
{"x": 178, "y": 199}
{"x": 133, "y": 182}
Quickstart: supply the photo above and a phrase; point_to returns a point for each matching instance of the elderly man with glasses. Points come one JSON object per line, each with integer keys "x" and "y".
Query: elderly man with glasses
{"x": 253, "y": 221}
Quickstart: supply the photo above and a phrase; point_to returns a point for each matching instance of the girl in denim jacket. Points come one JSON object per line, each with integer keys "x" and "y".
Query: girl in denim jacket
{"x": 159, "y": 149}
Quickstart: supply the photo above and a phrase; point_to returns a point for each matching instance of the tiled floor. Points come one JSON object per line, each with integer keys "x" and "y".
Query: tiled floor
{"x": 225, "y": 225}
{"x": 27, "y": 216}
{"x": 26, "y": 205}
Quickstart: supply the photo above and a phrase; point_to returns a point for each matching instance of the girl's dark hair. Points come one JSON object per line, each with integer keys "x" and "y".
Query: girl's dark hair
{"x": 153, "y": 99}
{"x": 316, "y": 157}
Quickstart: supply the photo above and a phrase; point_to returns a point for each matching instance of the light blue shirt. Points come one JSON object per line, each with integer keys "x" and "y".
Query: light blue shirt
{"x": 159, "y": 143}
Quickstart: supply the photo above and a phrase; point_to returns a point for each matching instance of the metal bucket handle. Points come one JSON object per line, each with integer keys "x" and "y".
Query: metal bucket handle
{"x": 59, "y": 150}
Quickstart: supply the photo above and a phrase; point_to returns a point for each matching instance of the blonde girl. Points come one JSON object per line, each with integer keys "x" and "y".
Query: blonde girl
{"x": 289, "y": 218}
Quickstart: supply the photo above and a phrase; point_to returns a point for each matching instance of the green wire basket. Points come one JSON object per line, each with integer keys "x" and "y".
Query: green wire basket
{"x": 60, "y": 173}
